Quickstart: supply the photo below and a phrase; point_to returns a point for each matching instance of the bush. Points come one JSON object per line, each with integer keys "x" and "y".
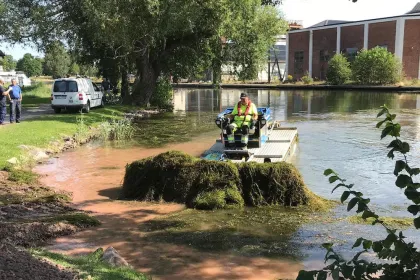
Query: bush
{"x": 307, "y": 79}
{"x": 376, "y": 66}
{"x": 163, "y": 95}
{"x": 204, "y": 184}
{"x": 339, "y": 71}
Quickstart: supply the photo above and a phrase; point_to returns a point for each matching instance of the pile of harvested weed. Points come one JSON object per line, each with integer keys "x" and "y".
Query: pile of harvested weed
{"x": 177, "y": 177}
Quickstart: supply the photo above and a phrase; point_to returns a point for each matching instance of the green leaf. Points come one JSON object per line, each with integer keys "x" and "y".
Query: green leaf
{"x": 377, "y": 246}
{"x": 417, "y": 222}
{"x": 322, "y": 275}
{"x": 306, "y": 275}
{"x": 391, "y": 154}
{"x": 396, "y": 128}
{"x": 347, "y": 271}
{"x": 329, "y": 172}
{"x": 357, "y": 243}
{"x": 413, "y": 195}
{"x": 367, "y": 244}
{"x": 415, "y": 171}
{"x": 352, "y": 203}
{"x": 393, "y": 117}
{"x": 339, "y": 185}
{"x": 362, "y": 207}
{"x": 387, "y": 130}
{"x": 395, "y": 144}
{"x": 379, "y": 124}
{"x": 327, "y": 245}
{"x": 332, "y": 179}
{"x": 369, "y": 214}
{"x": 403, "y": 180}
{"x": 344, "y": 196}
{"x": 358, "y": 272}
{"x": 405, "y": 148}
{"x": 399, "y": 166}
{"x": 414, "y": 209}
{"x": 383, "y": 111}
{"x": 335, "y": 274}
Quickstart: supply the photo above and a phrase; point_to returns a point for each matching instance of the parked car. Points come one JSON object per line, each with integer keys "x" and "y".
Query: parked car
{"x": 76, "y": 93}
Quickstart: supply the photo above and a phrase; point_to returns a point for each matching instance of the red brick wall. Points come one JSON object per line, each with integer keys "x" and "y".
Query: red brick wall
{"x": 411, "y": 50}
{"x": 323, "y": 39}
{"x": 298, "y": 42}
{"x": 382, "y": 33}
{"x": 352, "y": 36}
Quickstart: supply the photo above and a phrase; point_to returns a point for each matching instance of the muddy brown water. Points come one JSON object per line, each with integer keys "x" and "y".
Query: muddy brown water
{"x": 94, "y": 173}
{"x": 336, "y": 130}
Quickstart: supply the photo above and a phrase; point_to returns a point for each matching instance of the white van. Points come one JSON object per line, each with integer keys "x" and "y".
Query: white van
{"x": 75, "y": 93}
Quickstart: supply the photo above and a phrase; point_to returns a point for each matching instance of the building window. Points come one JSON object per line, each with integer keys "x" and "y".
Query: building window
{"x": 350, "y": 53}
{"x": 324, "y": 55}
{"x": 299, "y": 62}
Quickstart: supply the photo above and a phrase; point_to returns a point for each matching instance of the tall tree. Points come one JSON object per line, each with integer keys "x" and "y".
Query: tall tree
{"x": 30, "y": 65}
{"x": 8, "y": 63}
{"x": 56, "y": 60}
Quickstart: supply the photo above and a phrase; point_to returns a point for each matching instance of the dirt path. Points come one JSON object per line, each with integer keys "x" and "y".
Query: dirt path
{"x": 94, "y": 174}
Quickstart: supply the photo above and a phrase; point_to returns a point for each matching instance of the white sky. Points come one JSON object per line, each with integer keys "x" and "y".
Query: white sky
{"x": 309, "y": 11}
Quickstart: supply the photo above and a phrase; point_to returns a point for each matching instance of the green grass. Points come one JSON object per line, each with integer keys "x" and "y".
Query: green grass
{"x": 22, "y": 176}
{"x": 77, "y": 219}
{"x": 39, "y": 93}
{"x": 42, "y": 131}
{"x": 90, "y": 266}
{"x": 396, "y": 223}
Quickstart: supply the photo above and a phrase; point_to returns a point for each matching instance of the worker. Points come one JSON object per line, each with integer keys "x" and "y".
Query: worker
{"x": 244, "y": 116}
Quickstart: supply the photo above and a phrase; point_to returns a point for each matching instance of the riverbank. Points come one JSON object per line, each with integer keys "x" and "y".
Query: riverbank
{"x": 393, "y": 88}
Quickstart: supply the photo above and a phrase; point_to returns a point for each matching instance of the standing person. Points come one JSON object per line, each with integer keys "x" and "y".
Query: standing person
{"x": 244, "y": 116}
{"x": 3, "y": 95}
{"x": 15, "y": 101}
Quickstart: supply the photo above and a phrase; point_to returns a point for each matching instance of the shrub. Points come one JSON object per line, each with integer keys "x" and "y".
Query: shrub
{"x": 204, "y": 184}
{"x": 307, "y": 79}
{"x": 339, "y": 71}
{"x": 163, "y": 94}
{"x": 376, "y": 66}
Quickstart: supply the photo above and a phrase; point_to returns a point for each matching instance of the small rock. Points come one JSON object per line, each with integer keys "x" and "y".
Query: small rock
{"x": 13, "y": 160}
{"x": 112, "y": 257}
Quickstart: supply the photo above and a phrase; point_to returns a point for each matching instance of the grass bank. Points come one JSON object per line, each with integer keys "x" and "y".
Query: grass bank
{"x": 38, "y": 93}
{"x": 89, "y": 267}
{"x": 42, "y": 132}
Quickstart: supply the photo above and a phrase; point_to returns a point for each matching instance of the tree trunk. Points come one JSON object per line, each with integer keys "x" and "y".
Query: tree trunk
{"x": 148, "y": 74}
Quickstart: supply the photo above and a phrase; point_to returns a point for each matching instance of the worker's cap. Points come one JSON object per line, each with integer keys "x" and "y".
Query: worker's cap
{"x": 244, "y": 95}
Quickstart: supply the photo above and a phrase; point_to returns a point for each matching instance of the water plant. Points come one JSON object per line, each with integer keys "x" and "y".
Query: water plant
{"x": 116, "y": 129}
{"x": 400, "y": 259}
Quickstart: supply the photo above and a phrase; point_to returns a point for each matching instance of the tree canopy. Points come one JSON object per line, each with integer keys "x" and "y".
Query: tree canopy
{"x": 8, "y": 63}
{"x": 57, "y": 60}
{"x": 30, "y": 65}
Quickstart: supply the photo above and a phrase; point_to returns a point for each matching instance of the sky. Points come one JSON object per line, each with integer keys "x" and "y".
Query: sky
{"x": 308, "y": 11}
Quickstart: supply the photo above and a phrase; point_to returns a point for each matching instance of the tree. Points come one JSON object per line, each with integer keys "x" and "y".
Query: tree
{"x": 8, "y": 63}
{"x": 74, "y": 69}
{"x": 56, "y": 60}
{"x": 403, "y": 256}
{"x": 30, "y": 65}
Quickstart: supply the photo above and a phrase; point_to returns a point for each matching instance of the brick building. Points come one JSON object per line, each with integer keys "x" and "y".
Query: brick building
{"x": 309, "y": 49}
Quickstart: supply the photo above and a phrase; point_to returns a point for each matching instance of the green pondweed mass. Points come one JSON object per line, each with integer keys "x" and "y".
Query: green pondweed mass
{"x": 201, "y": 184}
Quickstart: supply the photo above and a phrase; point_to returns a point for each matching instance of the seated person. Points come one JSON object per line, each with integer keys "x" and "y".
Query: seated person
{"x": 245, "y": 116}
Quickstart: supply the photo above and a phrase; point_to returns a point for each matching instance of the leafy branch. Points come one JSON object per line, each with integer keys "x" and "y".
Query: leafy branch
{"x": 406, "y": 258}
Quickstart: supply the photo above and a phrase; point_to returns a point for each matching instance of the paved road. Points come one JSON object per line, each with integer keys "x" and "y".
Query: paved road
{"x": 33, "y": 112}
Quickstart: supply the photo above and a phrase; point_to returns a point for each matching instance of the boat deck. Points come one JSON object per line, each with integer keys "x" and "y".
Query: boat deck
{"x": 278, "y": 147}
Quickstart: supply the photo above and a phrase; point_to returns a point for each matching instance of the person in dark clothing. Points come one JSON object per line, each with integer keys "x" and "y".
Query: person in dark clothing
{"x": 15, "y": 101}
{"x": 3, "y": 96}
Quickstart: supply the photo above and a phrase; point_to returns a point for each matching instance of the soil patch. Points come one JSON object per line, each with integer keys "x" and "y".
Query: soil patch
{"x": 19, "y": 264}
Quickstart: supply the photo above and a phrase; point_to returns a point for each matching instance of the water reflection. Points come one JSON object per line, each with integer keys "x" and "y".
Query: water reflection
{"x": 336, "y": 130}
